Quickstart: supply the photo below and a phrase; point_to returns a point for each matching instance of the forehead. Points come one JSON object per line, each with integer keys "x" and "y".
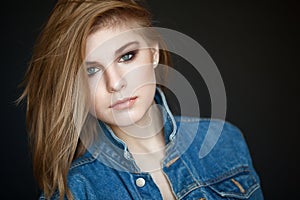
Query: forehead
{"x": 106, "y": 40}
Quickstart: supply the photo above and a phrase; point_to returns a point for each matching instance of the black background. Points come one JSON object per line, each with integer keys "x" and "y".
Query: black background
{"x": 254, "y": 45}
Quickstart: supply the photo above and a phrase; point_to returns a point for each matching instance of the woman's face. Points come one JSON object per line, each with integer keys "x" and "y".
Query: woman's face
{"x": 120, "y": 69}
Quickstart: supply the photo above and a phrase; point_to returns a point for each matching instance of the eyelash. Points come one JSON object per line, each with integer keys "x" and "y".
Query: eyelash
{"x": 97, "y": 69}
{"x": 132, "y": 53}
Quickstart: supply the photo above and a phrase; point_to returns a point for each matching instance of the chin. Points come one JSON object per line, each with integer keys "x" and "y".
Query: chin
{"x": 128, "y": 119}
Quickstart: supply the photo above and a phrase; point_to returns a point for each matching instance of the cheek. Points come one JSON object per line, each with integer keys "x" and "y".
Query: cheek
{"x": 96, "y": 86}
{"x": 97, "y": 98}
{"x": 142, "y": 68}
{"x": 140, "y": 76}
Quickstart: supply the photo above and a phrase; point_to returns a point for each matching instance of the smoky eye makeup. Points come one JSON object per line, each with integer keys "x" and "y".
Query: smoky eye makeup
{"x": 127, "y": 57}
{"x": 124, "y": 55}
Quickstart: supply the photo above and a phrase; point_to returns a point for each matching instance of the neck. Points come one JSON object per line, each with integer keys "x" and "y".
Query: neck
{"x": 146, "y": 135}
{"x": 145, "y": 139}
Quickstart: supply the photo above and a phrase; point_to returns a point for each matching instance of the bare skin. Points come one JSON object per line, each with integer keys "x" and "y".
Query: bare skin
{"x": 149, "y": 152}
{"x": 122, "y": 82}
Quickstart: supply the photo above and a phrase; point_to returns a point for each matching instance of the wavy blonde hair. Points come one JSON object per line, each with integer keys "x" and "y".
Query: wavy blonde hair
{"x": 57, "y": 103}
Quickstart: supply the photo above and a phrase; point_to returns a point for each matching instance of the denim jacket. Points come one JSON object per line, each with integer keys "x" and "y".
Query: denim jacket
{"x": 108, "y": 171}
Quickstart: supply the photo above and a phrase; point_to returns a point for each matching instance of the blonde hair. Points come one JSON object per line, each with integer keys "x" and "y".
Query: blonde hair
{"x": 56, "y": 106}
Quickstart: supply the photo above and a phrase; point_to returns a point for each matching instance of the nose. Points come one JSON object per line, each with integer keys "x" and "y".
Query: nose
{"x": 115, "y": 80}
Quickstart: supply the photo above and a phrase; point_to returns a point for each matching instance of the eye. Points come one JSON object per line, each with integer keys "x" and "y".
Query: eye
{"x": 127, "y": 57}
{"x": 92, "y": 70}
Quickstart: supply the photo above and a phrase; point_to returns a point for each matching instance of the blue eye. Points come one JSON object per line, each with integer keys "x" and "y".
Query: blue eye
{"x": 92, "y": 70}
{"x": 127, "y": 57}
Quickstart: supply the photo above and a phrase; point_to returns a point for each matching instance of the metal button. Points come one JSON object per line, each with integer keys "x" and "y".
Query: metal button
{"x": 140, "y": 182}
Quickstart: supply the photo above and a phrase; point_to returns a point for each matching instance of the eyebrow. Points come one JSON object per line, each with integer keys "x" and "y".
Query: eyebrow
{"x": 117, "y": 52}
{"x": 121, "y": 49}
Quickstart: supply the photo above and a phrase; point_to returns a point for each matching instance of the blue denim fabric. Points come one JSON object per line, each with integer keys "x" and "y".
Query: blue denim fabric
{"x": 108, "y": 171}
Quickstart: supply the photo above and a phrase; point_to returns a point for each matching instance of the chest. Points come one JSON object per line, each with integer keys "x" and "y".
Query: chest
{"x": 163, "y": 184}
{"x": 151, "y": 163}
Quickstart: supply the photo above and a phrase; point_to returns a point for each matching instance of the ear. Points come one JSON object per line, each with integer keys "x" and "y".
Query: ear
{"x": 155, "y": 54}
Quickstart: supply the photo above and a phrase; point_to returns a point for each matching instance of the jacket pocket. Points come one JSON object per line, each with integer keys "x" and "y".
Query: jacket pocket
{"x": 240, "y": 185}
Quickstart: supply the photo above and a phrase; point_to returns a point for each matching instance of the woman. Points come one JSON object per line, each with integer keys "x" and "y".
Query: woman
{"x": 99, "y": 125}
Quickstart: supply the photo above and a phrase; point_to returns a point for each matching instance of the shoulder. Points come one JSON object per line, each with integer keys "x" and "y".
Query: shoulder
{"x": 206, "y": 123}
{"x": 210, "y": 129}
{"x": 215, "y": 140}
{"x": 77, "y": 179}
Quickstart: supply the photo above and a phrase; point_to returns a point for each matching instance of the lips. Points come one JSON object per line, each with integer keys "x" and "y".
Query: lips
{"x": 123, "y": 103}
